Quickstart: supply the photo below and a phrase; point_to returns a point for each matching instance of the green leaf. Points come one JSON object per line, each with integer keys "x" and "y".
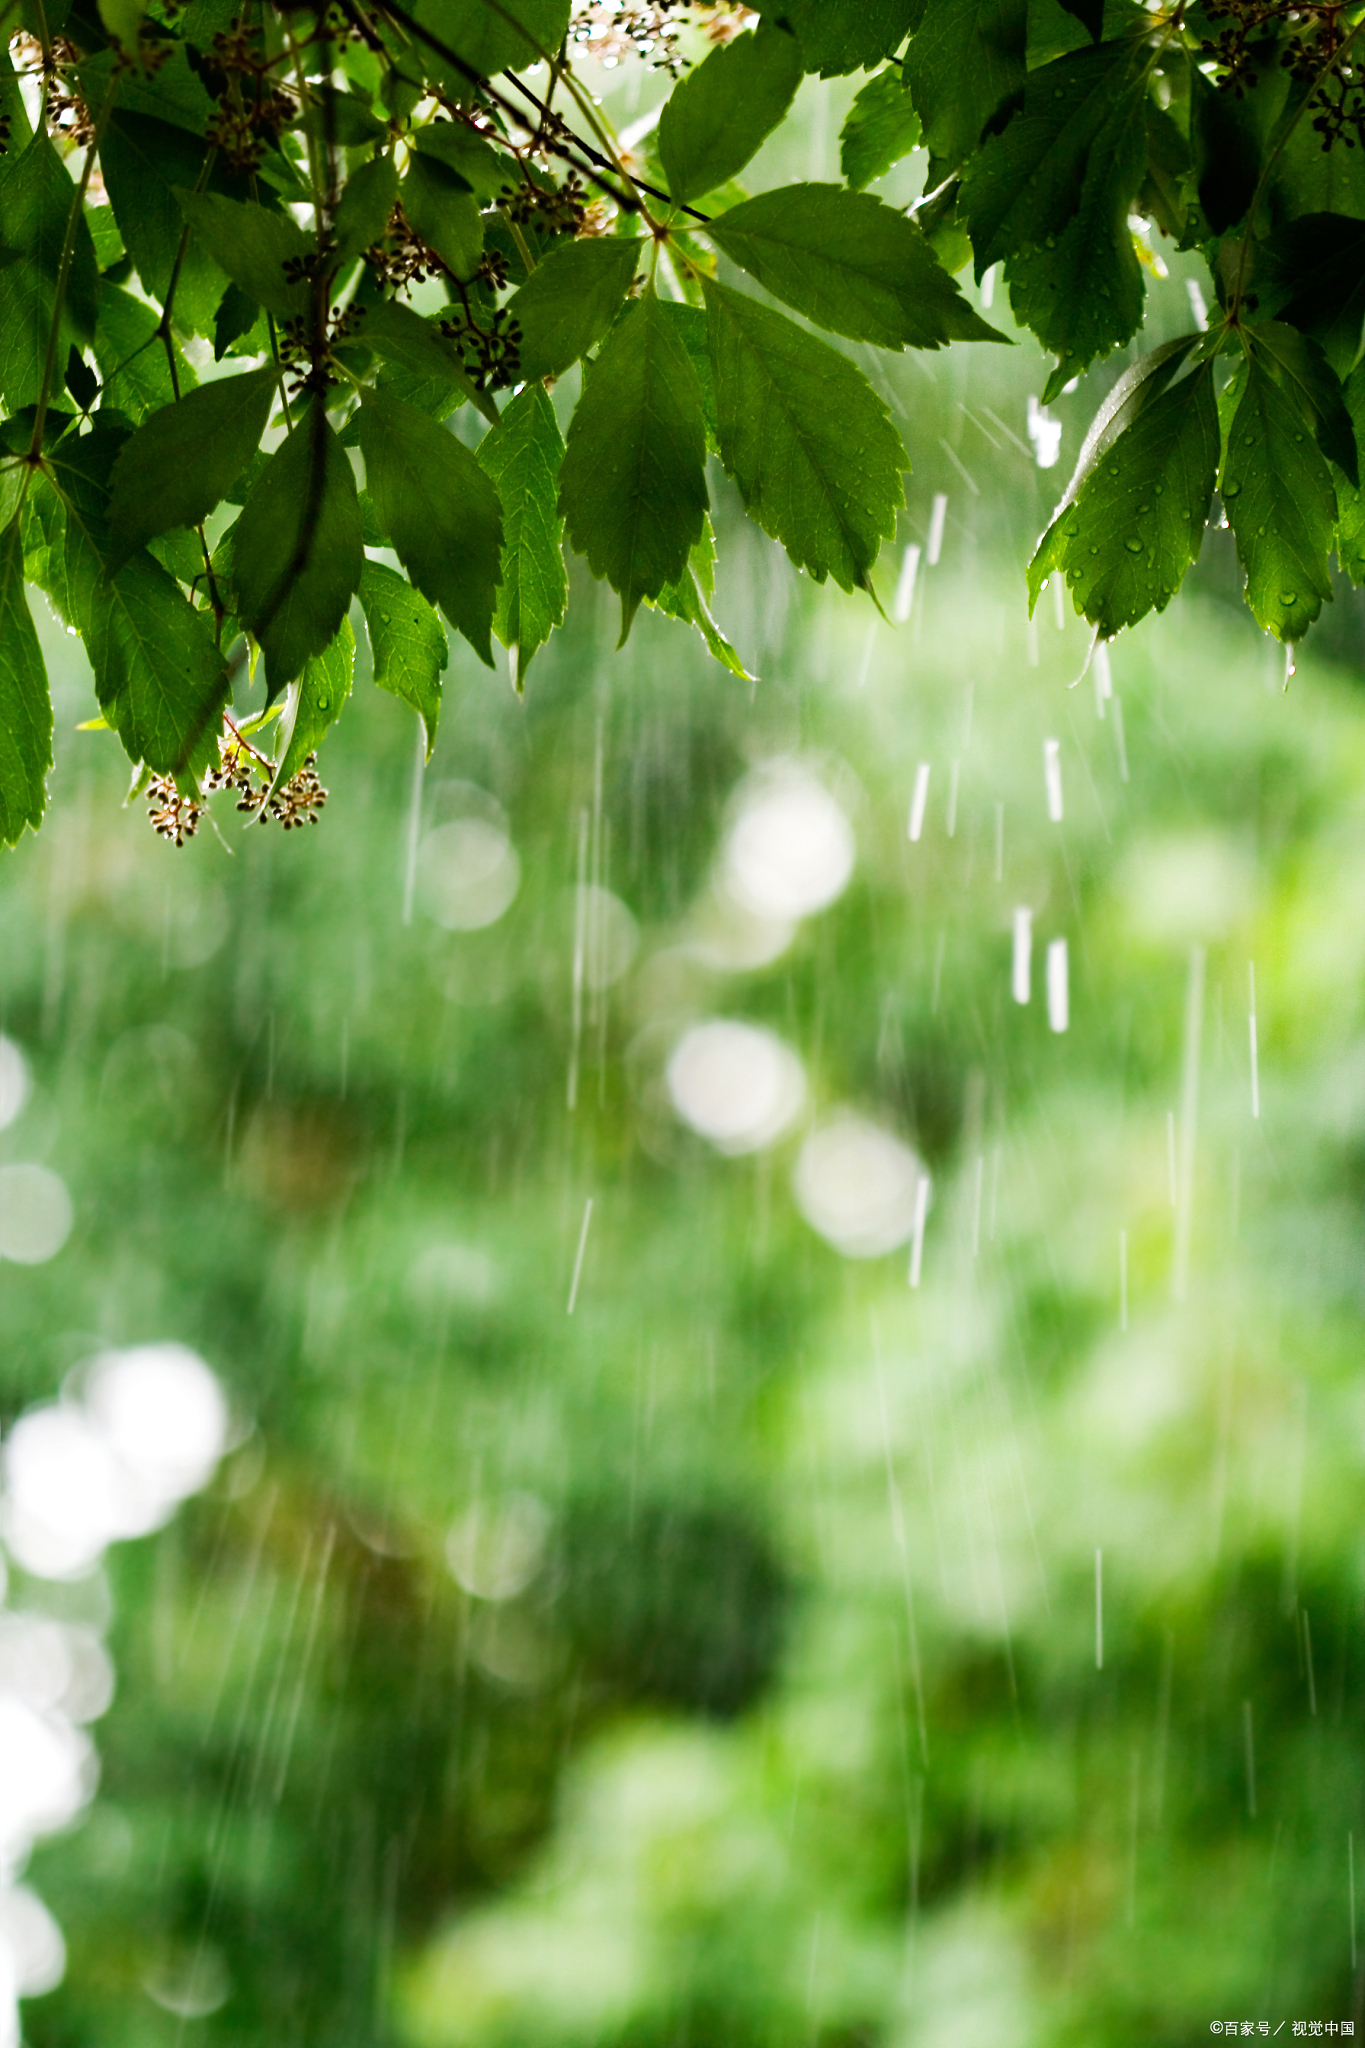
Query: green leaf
{"x": 1081, "y": 292}
{"x": 484, "y": 169}
{"x": 1351, "y": 498}
{"x": 850, "y": 264}
{"x": 1026, "y": 184}
{"x": 805, "y": 437}
{"x": 687, "y": 600}
{"x": 966, "y": 58}
{"x": 123, "y": 19}
{"x": 184, "y": 458}
{"x": 170, "y": 92}
{"x": 523, "y": 458}
{"x": 25, "y": 707}
{"x": 159, "y": 677}
{"x": 879, "y": 129}
{"x": 252, "y": 244}
{"x": 298, "y": 551}
{"x": 132, "y": 357}
{"x": 315, "y": 702}
{"x": 1126, "y": 540}
{"x": 440, "y": 511}
{"x": 37, "y": 198}
{"x": 365, "y": 206}
{"x": 237, "y": 315}
{"x": 633, "y": 482}
{"x": 689, "y": 324}
{"x": 407, "y": 641}
{"x": 445, "y": 214}
{"x": 839, "y": 36}
{"x": 570, "y": 300}
{"x": 490, "y": 39}
{"x": 143, "y": 161}
{"x": 713, "y": 122}
{"x": 1278, "y": 494}
{"x": 1311, "y": 274}
{"x": 1300, "y": 365}
{"x": 402, "y": 337}
{"x": 1090, "y": 15}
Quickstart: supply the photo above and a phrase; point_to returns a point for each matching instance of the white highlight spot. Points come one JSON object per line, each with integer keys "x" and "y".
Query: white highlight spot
{"x": 1103, "y": 674}
{"x": 903, "y": 603}
{"x": 938, "y": 513}
{"x": 922, "y": 1190}
{"x": 1045, "y": 433}
{"x": 35, "y": 1214}
{"x": 858, "y": 1186}
{"x": 467, "y": 874}
{"x": 736, "y": 1084}
{"x": 1251, "y": 1027}
{"x": 1058, "y": 1006}
{"x": 497, "y": 1547}
{"x": 919, "y": 800}
{"x": 14, "y": 1082}
{"x": 1023, "y": 954}
{"x": 791, "y": 849}
{"x": 1198, "y": 309}
{"x": 1052, "y": 778}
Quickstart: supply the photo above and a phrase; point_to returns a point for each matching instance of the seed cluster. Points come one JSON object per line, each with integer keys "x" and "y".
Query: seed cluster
{"x": 1317, "y": 51}
{"x": 177, "y": 817}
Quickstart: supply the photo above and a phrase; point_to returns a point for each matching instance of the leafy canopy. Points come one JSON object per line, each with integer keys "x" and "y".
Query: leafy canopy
{"x": 452, "y": 322}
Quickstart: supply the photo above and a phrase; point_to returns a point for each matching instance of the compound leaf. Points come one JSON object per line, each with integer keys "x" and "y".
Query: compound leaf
{"x": 184, "y": 458}
{"x": 713, "y": 122}
{"x": 805, "y": 437}
{"x": 523, "y": 458}
{"x": 1126, "y": 539}
{"x": 36, "y": 200}
{"x": 1350, "y": 497}
{"x": 440, "y": 511}
{"x": 851, "y": 264}
{"x": 366, "y": 203}
{"x": 407, "y": 642}
{"x": 1281, "y": 506}
{"x": 298, "y": 549}
{"x": 143, "y": 162}
{"x": 1300, "y": 365}
{"x": 132, "y": 360}
{"x": 25, "y": 707}
{"x": 445, "y": 214}
{"x": 633, "y": 480}
{"x": 570, "y": 300}
{"x": 880, "y": 128}
{"x": 488, "y": 39}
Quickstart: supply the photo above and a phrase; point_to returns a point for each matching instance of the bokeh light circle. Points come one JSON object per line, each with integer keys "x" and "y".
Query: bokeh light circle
{"x": 736, "y": 1084}
{"x": 856, "y": 1184}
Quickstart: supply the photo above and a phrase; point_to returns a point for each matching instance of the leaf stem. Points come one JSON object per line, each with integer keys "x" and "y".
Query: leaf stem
{"x": 75, "y": 220}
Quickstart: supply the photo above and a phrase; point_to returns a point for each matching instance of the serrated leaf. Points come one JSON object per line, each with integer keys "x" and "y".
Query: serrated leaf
{"x": 570, "y": 300}
{"x": 851, "y": 265}
{"x": 37, "y": 197}
{"x": 714, "y": 121}
{"x": 484, "y": 169}
{"x": 417, "y": 346}
{"x": 123, "y": 19}
{"x": 1136, "y": 524}
{"x": 440, "y": 511}
{"x": 253, "y": 244}
{"x": 1277, "y": 492}
{"x": 879, "y": 129}
{"x": 966, "y": 58}
{"x": 523, "y": 459}
{"x": 143, "y": 161}
{"x": 1090, "y": 15}
{"x": 170, "y": 91}
{"x": 805, "y": 437}
{"x": 159, "y": 676}
{"x": 25, "y": 707}
{"x": 633, "y": 480}
{"x": 1351, "y": 498}
{"x": 1027, "y": 183}
{"x": 297, "y": 549}
{"x": 687, "y": 600}
{"x": 132, "y": 358}
{"x": 1300, "y": 365}
{"x": 491, "y": 39}
{"x": 366, "y": 203}
{"x": 839, "y": 36}
{"x": 184, "y": 458}
{"x": 408, "y": 643}
{"x": 689, "y": 324}
{"x": 315, "y": 702}
{"x": 445, "y": 214}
